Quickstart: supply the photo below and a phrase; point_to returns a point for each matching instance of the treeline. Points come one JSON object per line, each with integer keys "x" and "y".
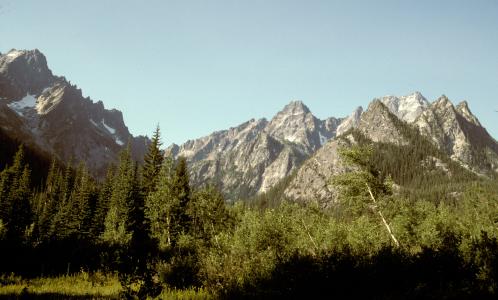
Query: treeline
{"x": 151, "y": 227}
{"x": 38, "y": 161}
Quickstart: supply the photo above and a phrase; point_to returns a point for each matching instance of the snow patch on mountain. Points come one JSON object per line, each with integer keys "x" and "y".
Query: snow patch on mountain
{"x": 29, "y": 101}
{"x": 108, "y": 128}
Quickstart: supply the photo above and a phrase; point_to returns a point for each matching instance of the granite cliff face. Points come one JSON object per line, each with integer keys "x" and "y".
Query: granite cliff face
{"x": 255, "y": 155}
{"x": 54, "y": 115}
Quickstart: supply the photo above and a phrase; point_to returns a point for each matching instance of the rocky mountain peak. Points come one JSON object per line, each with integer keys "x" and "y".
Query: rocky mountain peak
{"x": 442, "y": 102}
{"x": 23, "y": 72}
{"x": 34, "y": 58}
{"x": 464, "y": 110}
{"x": 351, "y": 121}
{"x": 295, "y": 107}
{"x": 57, "y": 118}
{"x": 257, "y": 154}
{"x": 407, "y": 108}
{"x": 295, "y": 124}
{"x": 379, "y": 124}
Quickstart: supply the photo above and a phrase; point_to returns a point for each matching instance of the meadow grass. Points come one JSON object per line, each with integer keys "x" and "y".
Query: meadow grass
{"x": 79, "y": 286}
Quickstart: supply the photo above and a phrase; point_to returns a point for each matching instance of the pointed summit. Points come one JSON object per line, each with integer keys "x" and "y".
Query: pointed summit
{"x": 295, "y": 123}
{"x": 463, "y": 109}
{"x": 25, "y": 72}
{"x": 34, "y": 58}
{"x": 295, "y": 107}
{"x": 443, "y": 102}
{"x": 379, "y": 124}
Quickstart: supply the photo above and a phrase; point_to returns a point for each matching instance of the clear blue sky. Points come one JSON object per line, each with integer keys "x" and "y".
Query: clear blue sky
{"x": 200, "y": 66}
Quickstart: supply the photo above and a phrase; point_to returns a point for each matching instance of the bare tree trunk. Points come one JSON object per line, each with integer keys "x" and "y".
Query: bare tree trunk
{"x": 311, "y": 238}
{"x": 382, "y": 217}
{"x": 169, "y": 230}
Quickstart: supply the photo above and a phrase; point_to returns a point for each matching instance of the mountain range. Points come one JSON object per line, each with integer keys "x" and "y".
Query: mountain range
{"x": 48, "y": 112}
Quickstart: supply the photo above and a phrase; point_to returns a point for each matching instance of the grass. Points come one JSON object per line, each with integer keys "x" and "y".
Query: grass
{"x": 79, "y": 286}
{"x": 197, "y": 294}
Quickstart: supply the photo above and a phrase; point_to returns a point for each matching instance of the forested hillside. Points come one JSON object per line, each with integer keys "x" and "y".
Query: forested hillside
{"x": 398, "y": 229}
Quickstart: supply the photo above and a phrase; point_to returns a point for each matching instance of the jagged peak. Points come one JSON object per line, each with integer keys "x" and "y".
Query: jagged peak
{"x": 464, "y": 110}
{"x": 377, "y": 105}
{"x": 443, "y": 99}
{"x": 416, "y": 96}
{"x": 295, "y": 107}
{"x": 29, "y": 55}
{"x": 443, "y": 102}
{"x": 463, "y": 106}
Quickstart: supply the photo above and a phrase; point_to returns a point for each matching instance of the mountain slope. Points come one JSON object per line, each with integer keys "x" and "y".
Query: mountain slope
{"x": 55, "y": 116}
{"x": 458, "y": 133}
{"x": 312, "y": 181}
{"x": 418, "y": 143}
{"x": 256, "y": 155}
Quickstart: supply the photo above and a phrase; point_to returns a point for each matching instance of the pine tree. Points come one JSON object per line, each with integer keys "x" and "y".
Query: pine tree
{"x": 138, "y": 267}
{"x": 181, "y": 191}
{"x": 15, "y": 198}
{"x": 47, "y": 203}
{"x": 152, "y": 163}
{"x": 21, "y": 213}
{"x": 161, "y": 206}
{"x": 102, "y": 204}
{"x": 117, "y": 221}
{"x": 62, "y": 225}
{"x": 81, "y": 203}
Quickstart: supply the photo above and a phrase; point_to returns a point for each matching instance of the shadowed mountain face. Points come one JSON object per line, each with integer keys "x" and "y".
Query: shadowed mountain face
{"x": 53, "y": 114}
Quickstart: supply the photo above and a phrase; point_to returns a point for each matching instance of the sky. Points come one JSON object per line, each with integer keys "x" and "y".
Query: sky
{"x": 195, "y": 67}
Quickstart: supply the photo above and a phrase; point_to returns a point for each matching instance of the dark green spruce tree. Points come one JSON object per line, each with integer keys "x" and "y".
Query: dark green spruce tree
{"x": 15, "y": 198}
{"x": 63, "y": 222}
{"x": 117, "y": 224}
{"x": 181, "y": 191}
{"x": 126, "y": 227}
{"x": 46, "y": 203}
{"x": 81, "y": 204}
{"x": 152, "y": 163}
{"x": 102, "y": 204}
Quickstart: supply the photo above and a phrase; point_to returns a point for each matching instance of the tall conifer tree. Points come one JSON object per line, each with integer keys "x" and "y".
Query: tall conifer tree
{"x": 152, "y": 163}
{"x": 117, "y": 221}
{"x": 181, "y": 191}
